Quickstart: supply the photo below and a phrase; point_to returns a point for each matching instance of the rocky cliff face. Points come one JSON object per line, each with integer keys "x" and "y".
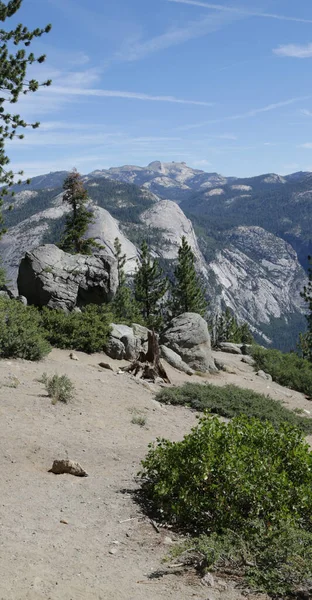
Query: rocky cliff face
{"x": 259, "y": 276}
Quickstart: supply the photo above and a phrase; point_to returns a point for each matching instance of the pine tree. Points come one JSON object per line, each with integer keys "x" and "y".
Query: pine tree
{"x": 187, "y": 292}
{"x": 225, "y": 328}
{"x": 13, "y": 83}
{"x": 78, "y": 221}
{"x": 150, "y": 286}
{"x": 124, "y": 305}
{"x": 306, "y": 339}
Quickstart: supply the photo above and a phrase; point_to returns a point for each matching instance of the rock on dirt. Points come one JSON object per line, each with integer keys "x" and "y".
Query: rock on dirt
{"x": 68, "y": 466}
{"x": 231, "y": 348}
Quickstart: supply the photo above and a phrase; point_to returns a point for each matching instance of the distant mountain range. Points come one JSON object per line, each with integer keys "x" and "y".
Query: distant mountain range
{"x": 251, "y": 237}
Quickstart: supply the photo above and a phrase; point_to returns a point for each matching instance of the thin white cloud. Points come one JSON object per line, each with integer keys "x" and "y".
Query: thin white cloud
{"x": 201, "y": 163}
{"x": 241, "y": 11}
{"x": 80, "y": 91}
{"x": 75, "y": 136}
{"x": 173, "y": 37}
{"x": 306, "y": 113}
{"x": 307, "y": 146}
{"x": 290, "y": 168}
{"x": 250, "y": 113}
{"x": 294, "y": 50}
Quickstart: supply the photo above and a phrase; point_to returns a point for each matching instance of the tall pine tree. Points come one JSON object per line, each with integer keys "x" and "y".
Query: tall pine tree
{"x": 14, "y": 63}
{"x": 79, "y": 219}
{"x": 187, "y": 291}
{"x": 306, "y": 339}
{"x": 150, "y": 286}
{"x": 13, "y": 72}
{"x": 125, "y": 306}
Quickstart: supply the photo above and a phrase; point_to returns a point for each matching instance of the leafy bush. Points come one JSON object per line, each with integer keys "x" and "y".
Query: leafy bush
{"x": 86, "y": 331}
{"x": 231, "y": 401}
{"x": 228, "y": 475}
{"x": 59, "y": 387}
{"x": 246, "y": 489}
{"x": 275, "y": 560}
{"x": 287, "y": 369}
{"x": 20, "y": 333}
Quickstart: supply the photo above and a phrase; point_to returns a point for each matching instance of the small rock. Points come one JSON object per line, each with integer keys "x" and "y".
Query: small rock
{"x": 113, "y": 551}
{"x": 248, "y": 360}
{"x": 308, "y": 412}
{"x": 68, "y": 466}
{"x": 264, "y": 376}
{"x": 221, "y": 584}
{"x": 208, "y": 580}
{"x": 231, "y": 348}
{"x": 167, "y": 540}
{"x": 220, "y": 365}
{"x": 73, "y": 356}
{"x": 106, "y": 366}
{"x": 231, "y": 370}
{"x": 210, "y": 596}
{"x": 22, "y": 300}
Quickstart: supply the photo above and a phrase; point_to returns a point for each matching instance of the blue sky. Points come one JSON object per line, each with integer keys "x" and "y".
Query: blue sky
{"x": 223, "y": 87}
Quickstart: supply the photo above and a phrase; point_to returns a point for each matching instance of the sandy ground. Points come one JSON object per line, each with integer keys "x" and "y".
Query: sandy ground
{"x": 66, "y": 538}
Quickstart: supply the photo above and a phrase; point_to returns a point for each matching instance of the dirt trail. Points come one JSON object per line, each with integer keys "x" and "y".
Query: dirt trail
{"x": 66, "y": 538}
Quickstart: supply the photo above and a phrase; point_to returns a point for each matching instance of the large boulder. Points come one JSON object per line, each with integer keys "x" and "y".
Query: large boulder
{"x": 175, "y": 360}
{"x": 50, "y": 277}
{"x": 126, "y": 342}
{"x": 188, "y": 336}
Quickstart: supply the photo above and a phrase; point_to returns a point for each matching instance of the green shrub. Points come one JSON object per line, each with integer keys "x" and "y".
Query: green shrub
{"x": 228, "y": 475}
{"x": 138, "y": 419}
{"x": 275, "y": 560}
{"x": 20, "y": 333}
{"x": 59, "y": 387}
{"x": 231, "y": 401}
{"x": 246, "y": 489}
{"x": 287, "y": 369}
{"x": 86, "y": 331}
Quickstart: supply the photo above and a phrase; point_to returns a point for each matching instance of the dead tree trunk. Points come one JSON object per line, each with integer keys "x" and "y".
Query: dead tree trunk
{"x": 148, "y": 365}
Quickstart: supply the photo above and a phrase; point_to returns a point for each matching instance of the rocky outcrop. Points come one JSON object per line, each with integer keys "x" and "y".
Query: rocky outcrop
{"x": 50, "y": 277}
{"x": 105, "y": 229}
{"x": 170, "y": 220}
{"x": 188, "y": 336}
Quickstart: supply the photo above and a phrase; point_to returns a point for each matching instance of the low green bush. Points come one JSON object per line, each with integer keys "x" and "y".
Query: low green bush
{"x": 86, "y": 331}
{"x": 246, "y": 489}
{"x": 273, "y": 560}
{"x": 287, "y": 369}
{"x": 20, "y": 332}
{"x": 228, "y": 475}
{"x": 59, "y": 387}
{"x": 230, "y": 401}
